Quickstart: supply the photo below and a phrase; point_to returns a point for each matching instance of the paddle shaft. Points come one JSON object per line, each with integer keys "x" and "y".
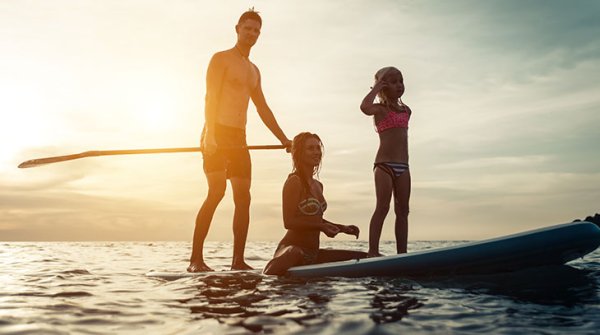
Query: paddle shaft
{"x": 95, "y": 153}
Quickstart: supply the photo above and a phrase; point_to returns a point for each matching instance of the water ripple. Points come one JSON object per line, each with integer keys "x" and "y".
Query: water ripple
{"x": 100, "y": 288}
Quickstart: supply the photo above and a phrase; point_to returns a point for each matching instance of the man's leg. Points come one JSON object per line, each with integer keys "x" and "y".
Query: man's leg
{"x": 241, "y": 220}
{"x": 216, "y": 190}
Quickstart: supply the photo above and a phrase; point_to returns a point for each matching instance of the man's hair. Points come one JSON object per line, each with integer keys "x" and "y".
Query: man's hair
{"x": 250, "y": 14}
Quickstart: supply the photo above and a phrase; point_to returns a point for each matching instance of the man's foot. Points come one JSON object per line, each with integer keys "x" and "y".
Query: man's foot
{"x": 198, "y": 267}
{"x": 241, "y": 265}
{"x": 373, "y": 254}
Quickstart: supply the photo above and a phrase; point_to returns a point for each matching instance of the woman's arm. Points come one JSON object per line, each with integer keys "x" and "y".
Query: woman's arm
{"x": 346, "y": 229}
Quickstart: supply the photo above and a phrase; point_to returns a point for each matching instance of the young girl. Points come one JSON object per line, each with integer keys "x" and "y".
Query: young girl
{"x": 303, "y": 208}
{"x": 392, "y": 176}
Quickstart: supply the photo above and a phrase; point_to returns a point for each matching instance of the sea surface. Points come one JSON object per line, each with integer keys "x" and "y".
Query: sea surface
{"x": 101, "y": 288}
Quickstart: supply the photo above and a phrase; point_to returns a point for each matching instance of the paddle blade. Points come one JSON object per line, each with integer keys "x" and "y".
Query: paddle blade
{"x": 47, "y": 160}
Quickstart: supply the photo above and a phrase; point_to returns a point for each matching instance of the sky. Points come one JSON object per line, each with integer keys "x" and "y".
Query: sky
{"x": 503, "y": 137}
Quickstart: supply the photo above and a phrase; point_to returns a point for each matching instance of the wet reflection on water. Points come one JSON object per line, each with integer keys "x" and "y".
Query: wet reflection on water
{"x": 391, "y": 299}
{"x": 100, "y": 288}
{"x": 392, "y": 306}
{"x": 260, "y": 303}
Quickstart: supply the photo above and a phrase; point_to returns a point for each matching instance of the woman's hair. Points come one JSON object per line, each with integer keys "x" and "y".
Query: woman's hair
{"x": 298, "y": 145}
{"x": 379, "y": 76}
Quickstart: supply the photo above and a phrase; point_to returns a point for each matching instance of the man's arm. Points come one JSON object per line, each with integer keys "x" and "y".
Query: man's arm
{"x": 266, "y": 114}
{"x": 214, "y": 82}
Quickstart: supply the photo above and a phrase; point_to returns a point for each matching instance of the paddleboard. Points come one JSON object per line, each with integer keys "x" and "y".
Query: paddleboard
{"x": 553, "y": 245}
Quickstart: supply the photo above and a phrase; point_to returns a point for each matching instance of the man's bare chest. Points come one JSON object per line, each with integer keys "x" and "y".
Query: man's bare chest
{"x": 241, "y": 76}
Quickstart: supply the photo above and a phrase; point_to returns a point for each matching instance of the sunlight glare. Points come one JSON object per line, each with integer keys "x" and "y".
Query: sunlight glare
{"x": 20, "y": 130}
{"x": 156, "y": 111}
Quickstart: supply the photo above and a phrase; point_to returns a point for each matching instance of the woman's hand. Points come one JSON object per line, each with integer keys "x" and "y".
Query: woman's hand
{"x": 351, "y": 230}
{"x": 329, "y": 229}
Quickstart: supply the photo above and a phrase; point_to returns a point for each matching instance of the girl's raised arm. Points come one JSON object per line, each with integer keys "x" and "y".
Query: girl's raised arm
{"x": 368, "y": 105}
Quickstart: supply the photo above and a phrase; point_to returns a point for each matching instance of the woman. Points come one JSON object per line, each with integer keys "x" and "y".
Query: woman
{"x": 303, "y": 208}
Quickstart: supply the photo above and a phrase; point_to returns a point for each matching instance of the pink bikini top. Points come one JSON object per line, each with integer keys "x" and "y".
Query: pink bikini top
{"x": 393, "y": 120}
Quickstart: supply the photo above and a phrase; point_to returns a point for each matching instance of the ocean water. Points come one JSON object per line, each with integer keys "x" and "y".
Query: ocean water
{"x": 101, "y": 288}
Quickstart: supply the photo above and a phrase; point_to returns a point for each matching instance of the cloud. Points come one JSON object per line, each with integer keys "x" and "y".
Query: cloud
{"x": 503, "y": 134}
{"x": 67, "y": 216}
{"x": 497, "y": 163}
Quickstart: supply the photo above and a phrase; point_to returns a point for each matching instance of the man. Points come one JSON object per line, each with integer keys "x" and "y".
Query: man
{"x": 231, "y": 80}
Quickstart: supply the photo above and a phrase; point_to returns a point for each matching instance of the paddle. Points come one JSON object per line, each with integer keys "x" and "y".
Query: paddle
{"x": 56, "y": 159}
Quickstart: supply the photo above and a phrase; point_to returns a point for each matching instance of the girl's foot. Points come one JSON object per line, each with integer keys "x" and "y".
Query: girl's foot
{"x": 374, "y": 254}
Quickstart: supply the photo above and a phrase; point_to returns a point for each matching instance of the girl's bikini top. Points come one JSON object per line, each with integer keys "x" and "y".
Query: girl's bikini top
{"x": 393, "y": 120}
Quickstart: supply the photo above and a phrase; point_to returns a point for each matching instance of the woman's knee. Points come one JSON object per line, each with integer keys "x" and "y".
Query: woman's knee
{"x": 294, "y": 252}
{"x": 283, "y": 260}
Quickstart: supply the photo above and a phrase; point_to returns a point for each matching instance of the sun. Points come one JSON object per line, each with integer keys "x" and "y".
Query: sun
{"x": 22, "y": 112}
{"x": 156, "y": 114}
{"x": 156, "y": 110}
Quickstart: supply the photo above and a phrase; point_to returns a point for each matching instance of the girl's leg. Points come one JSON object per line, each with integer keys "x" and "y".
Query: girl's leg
{"x": 334, "y": 255}
{"x": 401, "y": 210}
{"x": 283, "y": 260}
{"x": 383, "y": 193}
